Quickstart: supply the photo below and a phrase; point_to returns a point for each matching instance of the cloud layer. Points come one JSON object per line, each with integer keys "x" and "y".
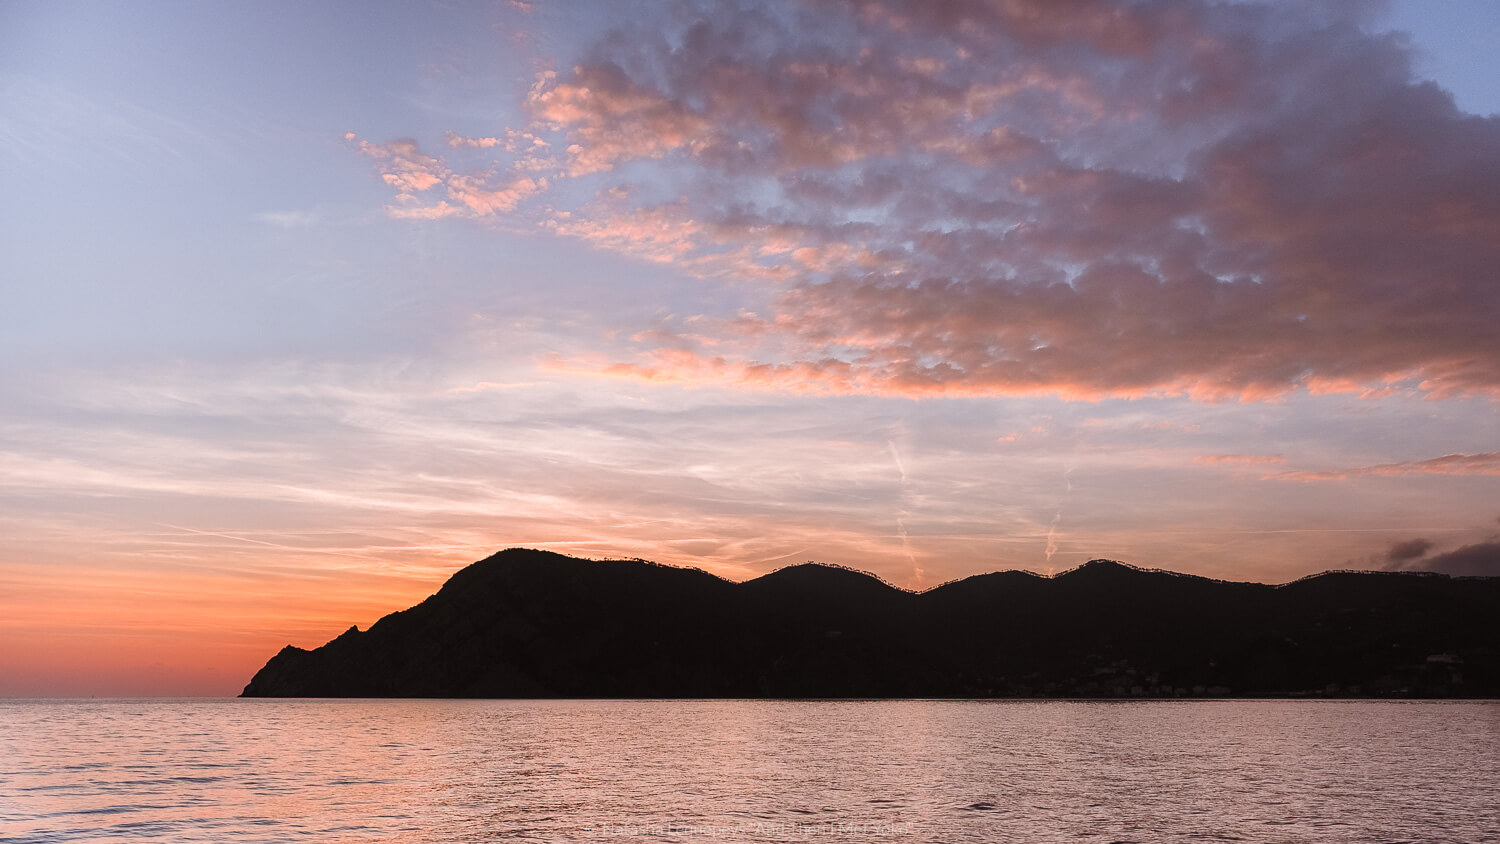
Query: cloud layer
{"x": 1448, "y": 464}
{"x": 1481, "y": 559}
{"x": 1087, "y": 199}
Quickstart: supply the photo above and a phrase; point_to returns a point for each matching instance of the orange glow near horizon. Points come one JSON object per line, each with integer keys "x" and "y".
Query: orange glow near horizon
{"x": 250, "y": 561}
{"x": 193, "y": 629}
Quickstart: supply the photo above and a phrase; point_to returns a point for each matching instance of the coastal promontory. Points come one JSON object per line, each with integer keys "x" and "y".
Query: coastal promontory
{"x": 527, "y": 623}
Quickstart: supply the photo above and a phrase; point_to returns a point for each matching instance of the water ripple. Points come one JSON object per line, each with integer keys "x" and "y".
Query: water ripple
{"x": 748, "y": 771}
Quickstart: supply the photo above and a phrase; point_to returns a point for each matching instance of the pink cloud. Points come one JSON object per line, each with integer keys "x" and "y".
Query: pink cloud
{"x": 1091, "y": 199}
{"x": 413, "y": 174}
{"x": 1239, "y": 459}
{"x": 403, "y": 166}
{"x": 422, "y": 212}
{"x": 1450, "y": 464}
{"x": 458, "y": 141}
{"x": 610, "y": 119}
{"x": 483, "y": 200}
{"x": 663, "y": 234}
{"x": 530, "y": 150}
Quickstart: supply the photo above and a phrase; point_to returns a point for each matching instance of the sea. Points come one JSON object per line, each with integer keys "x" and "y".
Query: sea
{"x": 749, "y": 771}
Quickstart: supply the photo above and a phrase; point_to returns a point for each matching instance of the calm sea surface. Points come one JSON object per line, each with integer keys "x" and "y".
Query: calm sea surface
{"x": 420, "y": 771}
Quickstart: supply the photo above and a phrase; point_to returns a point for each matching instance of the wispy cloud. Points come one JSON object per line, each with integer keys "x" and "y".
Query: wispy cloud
{"x": 1239, "y": 459}
{"x": 290, "y": 219}
{"x": 1449, "y": 464}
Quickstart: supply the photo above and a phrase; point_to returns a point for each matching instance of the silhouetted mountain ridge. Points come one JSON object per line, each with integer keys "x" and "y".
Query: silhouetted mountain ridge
{"x": 526, "y": 623}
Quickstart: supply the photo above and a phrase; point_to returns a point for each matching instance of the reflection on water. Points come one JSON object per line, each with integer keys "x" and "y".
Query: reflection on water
{"x": 420, "y": 771}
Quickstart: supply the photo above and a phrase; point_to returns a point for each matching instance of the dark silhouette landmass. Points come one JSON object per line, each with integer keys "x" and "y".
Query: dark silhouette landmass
{"x": 526, "y": 623}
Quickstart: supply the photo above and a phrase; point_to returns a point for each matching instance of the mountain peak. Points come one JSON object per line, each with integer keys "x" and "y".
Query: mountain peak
{"x": 810, "y": 570}
{"x": 1102, "y": 568}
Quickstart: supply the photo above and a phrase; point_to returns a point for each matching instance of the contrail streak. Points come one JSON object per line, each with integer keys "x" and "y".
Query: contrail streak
{"x": 1057, "y": 517}
{"x": 916, "y": 570}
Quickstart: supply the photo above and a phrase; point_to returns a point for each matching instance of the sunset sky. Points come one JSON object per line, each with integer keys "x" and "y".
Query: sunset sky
{"x": 308, "y": 305}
